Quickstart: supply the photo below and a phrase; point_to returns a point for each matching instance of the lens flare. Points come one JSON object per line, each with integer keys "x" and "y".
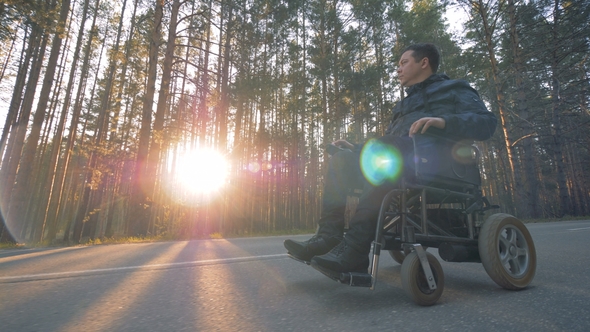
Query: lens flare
{"x": 254, "y": 167}
{"x": 380, "y": 162}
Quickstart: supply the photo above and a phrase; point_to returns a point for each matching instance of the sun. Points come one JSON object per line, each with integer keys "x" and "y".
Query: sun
{"x": 202, "y": 171}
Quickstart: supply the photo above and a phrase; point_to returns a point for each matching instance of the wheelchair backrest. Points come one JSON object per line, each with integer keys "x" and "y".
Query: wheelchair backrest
{"x": 438, "y": 159}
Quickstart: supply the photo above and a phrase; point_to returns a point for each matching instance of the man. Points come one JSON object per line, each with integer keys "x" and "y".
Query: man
{"x": 434, "y": 104}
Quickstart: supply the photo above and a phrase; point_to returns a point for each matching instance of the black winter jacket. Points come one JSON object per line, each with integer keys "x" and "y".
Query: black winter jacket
{"x": 455, "y": 101}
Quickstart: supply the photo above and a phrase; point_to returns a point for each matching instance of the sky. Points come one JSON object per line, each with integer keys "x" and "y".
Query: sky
{"x": 456, "y": 18}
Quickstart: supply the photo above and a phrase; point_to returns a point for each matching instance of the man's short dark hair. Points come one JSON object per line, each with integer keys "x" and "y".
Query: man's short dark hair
{"x": 425, "y": 50}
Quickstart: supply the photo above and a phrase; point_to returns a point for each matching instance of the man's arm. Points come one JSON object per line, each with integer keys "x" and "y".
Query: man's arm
{"x": 470, "y": 118}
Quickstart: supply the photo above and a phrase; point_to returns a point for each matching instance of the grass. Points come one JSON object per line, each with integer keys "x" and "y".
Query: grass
{"x": 148, "y": 239}
{"x": 11, "y": 245}
{"x": 127, "y": 239}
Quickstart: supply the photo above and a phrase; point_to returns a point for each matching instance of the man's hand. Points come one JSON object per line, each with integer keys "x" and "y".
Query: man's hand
{"x": 423, "y": 124}
{"x": 342, "y": 143}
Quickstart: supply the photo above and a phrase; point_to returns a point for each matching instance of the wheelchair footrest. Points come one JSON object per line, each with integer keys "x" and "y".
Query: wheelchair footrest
{"x": 357, "y": 279}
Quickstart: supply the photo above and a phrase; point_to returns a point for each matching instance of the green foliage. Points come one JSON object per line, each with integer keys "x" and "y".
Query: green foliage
{"x": 16, "y": 13}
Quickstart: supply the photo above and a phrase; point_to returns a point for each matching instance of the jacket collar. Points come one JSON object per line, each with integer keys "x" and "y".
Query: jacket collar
{"x": 433, "y": 78}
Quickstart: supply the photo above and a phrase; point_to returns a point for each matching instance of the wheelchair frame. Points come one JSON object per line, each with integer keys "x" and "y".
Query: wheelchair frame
{"x": 404, "y": 228}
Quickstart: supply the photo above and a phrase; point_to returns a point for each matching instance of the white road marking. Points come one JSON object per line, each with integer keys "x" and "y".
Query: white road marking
{"x": 578, "y": 229}
{"x": 138, "y": 267}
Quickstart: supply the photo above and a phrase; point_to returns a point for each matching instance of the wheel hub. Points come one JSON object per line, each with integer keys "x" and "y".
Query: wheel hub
{"x": 512, "y": 250}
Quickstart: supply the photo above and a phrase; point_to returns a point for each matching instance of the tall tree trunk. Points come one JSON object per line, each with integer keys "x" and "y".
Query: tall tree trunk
{"x": 515, "y": 185}
{"x": 140, "y": 195}
{"x": 125, "y": 64}
{"x": 337, "y": 109}
{"x": 17, "y": 92}
{"x": 531, "y": 185}
{"x": 92, "y": 174}
{"x": 8, "y": 55}
{"x": 324, "y": 77}
{"x": 11, "y": 123}
{"x": 106, "y": 100}
{"x": 21, "y": 193}
{"x": 203, "y": 110}
{"x": 564, "y": 199}
{"x": 54, "y": 183}
{"x": 102, "y": 132}
{"x": 64, "y": 165}
{"x": 44, "y": 170}
{"x": 16, "y": 140}
{"x": 158, "y": 139}
{"x": 18, "y": 118}
{"x": 117, "y": 110}
{"x": 224, "y": 100}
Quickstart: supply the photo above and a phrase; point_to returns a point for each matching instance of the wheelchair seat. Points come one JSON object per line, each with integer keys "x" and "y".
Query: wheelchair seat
{"x": 444, "y": 163}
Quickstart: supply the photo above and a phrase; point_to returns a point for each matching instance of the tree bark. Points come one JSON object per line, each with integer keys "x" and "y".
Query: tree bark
{"x": 141, "y": 196}
{"x": 564, "y": 199}
{"x": 531, "y": 184}
{"x": 15, "y": 146}
{"x": 21, "y": 193}
{"x": 515, "y": 181}
{"x": 64, "y": 165}
{"x": 158, "y": 139}
{"x": 224, "y": 100}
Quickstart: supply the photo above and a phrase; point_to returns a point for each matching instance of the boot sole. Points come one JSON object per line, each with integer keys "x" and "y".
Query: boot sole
{"x": 298, "y": 259}
{"x": 327, "y": 272}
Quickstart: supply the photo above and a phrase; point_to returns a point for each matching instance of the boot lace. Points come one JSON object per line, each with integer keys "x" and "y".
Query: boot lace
{"x": 314, "y": 239}
{"x": 339, "y": 249}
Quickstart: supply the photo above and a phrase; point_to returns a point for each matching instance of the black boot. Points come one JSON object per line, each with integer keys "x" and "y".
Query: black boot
{"x": 342, "y": 259}
{"x": 306, "y": 250}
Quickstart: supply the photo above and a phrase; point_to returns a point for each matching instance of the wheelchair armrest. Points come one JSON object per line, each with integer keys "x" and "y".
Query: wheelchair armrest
{"x": 444, "y": 158}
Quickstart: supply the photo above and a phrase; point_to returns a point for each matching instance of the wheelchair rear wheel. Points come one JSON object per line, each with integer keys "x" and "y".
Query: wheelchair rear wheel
{"x": 414, "y": 280}
{"x": 507, "y": 251}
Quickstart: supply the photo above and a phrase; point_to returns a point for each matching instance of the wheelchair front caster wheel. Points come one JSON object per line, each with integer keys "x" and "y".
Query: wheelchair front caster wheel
{"x": 414, "y": 279}
{"x": 507, "y": 251}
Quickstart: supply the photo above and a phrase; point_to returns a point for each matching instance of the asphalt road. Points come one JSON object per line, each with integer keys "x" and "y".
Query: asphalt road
{"x": 250, "y": 284}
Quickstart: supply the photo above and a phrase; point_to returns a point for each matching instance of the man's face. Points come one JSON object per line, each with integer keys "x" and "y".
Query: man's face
{"x": 410, "y": 71}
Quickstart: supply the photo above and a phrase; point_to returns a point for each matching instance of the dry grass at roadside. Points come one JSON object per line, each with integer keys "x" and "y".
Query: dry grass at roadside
{"x": 147, "y": 239}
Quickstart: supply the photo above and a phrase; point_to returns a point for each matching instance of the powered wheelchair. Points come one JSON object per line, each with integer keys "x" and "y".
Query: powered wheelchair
{"x": 440, "y": 205}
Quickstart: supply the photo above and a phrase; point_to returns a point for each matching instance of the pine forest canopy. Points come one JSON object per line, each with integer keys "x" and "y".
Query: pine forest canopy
{"x": 187, "y": 118}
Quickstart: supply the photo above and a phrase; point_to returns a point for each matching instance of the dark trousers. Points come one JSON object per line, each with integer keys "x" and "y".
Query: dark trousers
{"x": 344, "y": 173}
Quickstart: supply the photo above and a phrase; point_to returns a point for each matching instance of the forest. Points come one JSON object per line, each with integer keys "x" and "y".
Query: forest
{"x": 183, "y": 119}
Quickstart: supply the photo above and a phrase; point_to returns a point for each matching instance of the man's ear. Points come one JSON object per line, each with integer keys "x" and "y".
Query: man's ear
{"x": 425, "y": 63}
